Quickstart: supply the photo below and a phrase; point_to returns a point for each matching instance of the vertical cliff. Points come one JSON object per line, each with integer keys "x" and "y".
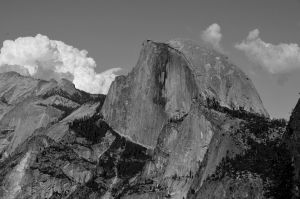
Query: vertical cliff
{"x": 159, "y": 88}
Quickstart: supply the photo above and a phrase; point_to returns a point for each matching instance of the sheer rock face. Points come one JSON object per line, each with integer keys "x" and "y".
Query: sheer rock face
{"x": 160, "y": 87}
{"x": 166, "y": 81}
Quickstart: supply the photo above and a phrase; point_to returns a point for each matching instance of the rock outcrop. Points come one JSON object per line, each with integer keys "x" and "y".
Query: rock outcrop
{"x": 166, "y": 81}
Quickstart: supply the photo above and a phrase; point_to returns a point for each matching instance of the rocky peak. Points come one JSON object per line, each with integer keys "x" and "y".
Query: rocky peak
{"x": 167, "y": 79}
{"x": 160, "y": 87}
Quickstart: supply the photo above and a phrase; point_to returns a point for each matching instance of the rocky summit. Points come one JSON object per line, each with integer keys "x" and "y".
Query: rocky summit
{"x": 184, "y": 123}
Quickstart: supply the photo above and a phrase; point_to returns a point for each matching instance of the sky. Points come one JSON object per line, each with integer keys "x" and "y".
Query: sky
{"x": 259, "y": 36}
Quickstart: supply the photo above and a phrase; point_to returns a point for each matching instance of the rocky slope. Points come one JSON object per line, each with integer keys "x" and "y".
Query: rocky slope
{"x": 184, "y": 123}
{"x": 29, "y": 104}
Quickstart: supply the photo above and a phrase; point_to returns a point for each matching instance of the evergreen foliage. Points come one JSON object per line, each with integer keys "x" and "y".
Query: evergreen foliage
{"x": 92, "y": 128}
{"x": 267, "y": 157}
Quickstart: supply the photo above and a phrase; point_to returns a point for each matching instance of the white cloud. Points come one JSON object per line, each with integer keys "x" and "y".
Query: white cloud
{"x": 44, "y": 58}
{"x": 212, "y": 36}
{"x": 276, "y": 59}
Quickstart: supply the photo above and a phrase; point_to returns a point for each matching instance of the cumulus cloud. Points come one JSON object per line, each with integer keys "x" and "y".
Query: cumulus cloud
{"x": 276, "y": 59}
{"x": 212, "y": 36}
{"x": 44, "y": 58}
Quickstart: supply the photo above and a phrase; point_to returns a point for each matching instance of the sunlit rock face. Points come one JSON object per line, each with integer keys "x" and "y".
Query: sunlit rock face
{"x": 165, "y": 82}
